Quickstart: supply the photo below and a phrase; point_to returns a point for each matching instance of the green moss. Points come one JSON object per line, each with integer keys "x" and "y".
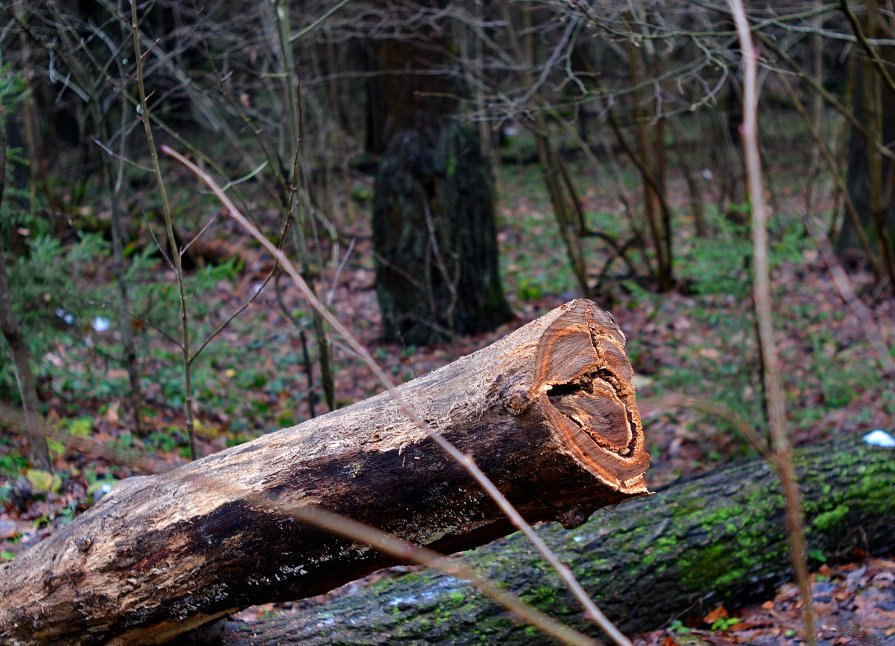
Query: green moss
{"x": 721, "y": 516}
{"x": 662, "y": 545}
{"x": 712, "y": 564}
{"x": 542, "y": 596}
{"x": 743, "y": 540}
{"x": 830, "y": 518}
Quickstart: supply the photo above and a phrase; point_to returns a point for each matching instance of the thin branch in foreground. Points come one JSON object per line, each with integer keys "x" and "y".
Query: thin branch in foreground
{"x": 461, "y": 458}
{"x": 169, "y": 230}
{"x": 334, "y": 523}
{"x": 773, "y": 388}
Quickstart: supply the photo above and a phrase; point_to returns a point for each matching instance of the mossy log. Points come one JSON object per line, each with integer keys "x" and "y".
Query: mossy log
{"x": 547, "y": 412}
{"x": 720, "y": 537}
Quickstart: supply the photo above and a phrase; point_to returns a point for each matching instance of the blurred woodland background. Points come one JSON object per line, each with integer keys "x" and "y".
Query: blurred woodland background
{"x": 441, "y": 172}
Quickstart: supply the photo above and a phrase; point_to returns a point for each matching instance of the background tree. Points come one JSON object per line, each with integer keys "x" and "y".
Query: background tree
{"x": 869, "y": 172}
{"x": 433, "y": 224}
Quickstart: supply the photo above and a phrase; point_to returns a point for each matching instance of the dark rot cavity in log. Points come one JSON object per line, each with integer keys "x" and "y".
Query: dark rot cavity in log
{"x": 586, "y": 392}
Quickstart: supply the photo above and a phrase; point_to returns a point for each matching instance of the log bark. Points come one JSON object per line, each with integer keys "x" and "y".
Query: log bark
{"x": 548, "y": 413}
{"x": 720, "y": 537}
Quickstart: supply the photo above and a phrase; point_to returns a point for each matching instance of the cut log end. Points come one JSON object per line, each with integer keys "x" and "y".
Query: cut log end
{"x": 583, "y": 385}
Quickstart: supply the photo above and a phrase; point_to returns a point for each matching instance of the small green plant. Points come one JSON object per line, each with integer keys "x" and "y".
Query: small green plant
{"x": 677, "y": 627}
{"x": 817, "y": 555}
{"x": 12, "y": 464}
{"x": 97, "y": 484}
{"x": 724, "y": 623}
{"x": 526, "y": 290}
{"x": 79, "y": 426}
{"x": 43, "y": 482}
{"x": 362, "y": 193}
{"x": 50, "y": 300}
{"x": 161, "y": 441}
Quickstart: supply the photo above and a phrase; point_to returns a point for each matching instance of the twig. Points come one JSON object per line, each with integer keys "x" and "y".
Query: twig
{"x": 847, "y": 292}
{"x": 878, "y": 63}
{"x": 401, "y": 549}
{"x": 326, "y": 520}
{"x": 821, "y": 147}
{"x": 773, "y": 390}
{"x": 717, "y": 409}
{"x": 169, "y": 229}
{"x": 303, "y": 337}
{"x": 338, "y": 274}
{"x": 226, "y": 322}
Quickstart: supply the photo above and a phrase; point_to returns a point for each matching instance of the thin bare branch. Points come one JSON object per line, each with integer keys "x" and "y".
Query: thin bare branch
{"x": 763, "y": 311}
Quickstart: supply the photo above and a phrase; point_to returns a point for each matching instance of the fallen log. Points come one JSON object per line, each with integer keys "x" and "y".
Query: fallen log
{"x": 720, "y": 537}
{"x": 548, "y": 413}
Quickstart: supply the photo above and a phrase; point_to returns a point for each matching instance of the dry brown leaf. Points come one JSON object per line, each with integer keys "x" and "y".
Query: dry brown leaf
{"x": 720, "y": 612}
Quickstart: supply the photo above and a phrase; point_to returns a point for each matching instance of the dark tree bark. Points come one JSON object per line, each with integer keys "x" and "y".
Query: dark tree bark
{"x": 434, "y": 230}
{"x": 435, "y": 237}
{"x": 547, "y": 412}
{"x": 870, "y": 182}
{"x": 718, "y": 538}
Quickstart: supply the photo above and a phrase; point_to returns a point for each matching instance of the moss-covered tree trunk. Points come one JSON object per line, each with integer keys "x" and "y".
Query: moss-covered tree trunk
{"x": 720, "y": 537}
{"x": 435, "y": 236}
{"x": 434, "y": 230}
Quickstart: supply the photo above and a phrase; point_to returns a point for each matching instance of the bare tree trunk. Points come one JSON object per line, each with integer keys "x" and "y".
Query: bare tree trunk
{"x": 547, "y": 412}
{"x": 869, "y": 175}
{"x": 118, "y": 265}
{"x": 689, "y": 173}
{"x": 114, "y": 179}
{"x": 21, "y": 356}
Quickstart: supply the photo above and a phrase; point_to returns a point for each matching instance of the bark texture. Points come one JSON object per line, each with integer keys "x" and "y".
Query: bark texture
{"x": 869, "y": 173}
{"x": 435, "y": 236}
{"x": 434, "y": 230}
{"x": 720, "y": 537}
{"x": 548, "y": 412}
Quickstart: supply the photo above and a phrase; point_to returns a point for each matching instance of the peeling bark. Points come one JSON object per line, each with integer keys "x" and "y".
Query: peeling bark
{"x": 548, "y": 413}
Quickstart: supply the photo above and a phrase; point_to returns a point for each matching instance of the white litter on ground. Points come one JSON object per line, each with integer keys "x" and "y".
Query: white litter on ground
{"x": 880, "y": 438}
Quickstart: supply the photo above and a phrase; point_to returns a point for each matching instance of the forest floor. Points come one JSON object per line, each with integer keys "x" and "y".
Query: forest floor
{"x": 695, "y": 342}
{"x": 854, "y": 603}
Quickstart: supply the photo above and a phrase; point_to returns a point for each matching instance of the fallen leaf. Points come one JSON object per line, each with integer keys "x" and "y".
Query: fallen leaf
{"x": 112, "y": 414}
